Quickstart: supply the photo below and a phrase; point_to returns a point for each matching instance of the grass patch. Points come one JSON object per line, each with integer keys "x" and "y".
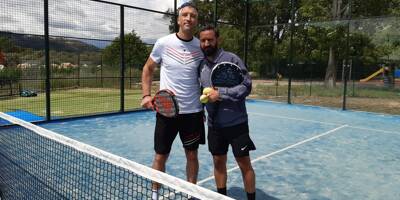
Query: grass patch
{"x": 372, "y": 99}
{"x": 74, "y": 102}
{"x": 88, "y": 101}
{"x": 321, "y": 91}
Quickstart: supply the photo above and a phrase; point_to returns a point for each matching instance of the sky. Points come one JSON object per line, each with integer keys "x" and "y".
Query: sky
{"x": 86, "y": 19}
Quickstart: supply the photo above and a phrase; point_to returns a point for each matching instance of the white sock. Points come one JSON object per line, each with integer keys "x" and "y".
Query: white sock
{"x": 154, "y": 195}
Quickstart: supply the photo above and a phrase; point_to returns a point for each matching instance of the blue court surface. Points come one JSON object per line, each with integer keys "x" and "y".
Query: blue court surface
{"x": 24, "y": 115}
{"x": 303, "y": 152}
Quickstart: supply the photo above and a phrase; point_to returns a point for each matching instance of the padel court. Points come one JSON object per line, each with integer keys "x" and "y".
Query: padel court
{"x": 303, "y": 152}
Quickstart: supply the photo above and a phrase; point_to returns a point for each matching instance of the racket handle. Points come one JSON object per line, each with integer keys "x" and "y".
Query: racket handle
{"x": 146, "y": 95}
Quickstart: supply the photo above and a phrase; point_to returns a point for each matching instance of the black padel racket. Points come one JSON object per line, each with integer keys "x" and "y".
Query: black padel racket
{"x": 226, "y": 74}
{"x": 165, "y": 103}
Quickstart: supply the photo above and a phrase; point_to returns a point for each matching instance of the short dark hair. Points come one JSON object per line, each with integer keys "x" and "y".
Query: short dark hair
{"x": 210, "y": 27}
{"x": 188, "y": 4}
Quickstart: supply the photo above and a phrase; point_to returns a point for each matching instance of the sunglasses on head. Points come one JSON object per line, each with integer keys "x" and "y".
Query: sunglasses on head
{"x": 186, "y": 4}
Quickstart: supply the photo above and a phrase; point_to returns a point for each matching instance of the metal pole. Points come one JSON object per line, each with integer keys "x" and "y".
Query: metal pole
{"x": 215, "y": 13}
{"x": 290, "y": 65}
{"x": 122, "y": 59}
{"x": 311, "y": 77}
{"x": 79, "y": 69}
{"x": 47, "y": 58}
{"x": 246, "y": 38}
{"x": 351, "y": 77}
{"x": 345, "y": 67}
{"x": 176, "y": 29}
{"x": 101, "y": 71}
{"x": 347, "y": 64}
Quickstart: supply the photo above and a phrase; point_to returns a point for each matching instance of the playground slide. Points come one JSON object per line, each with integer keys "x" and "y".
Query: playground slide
{"x": 372, "y": 75}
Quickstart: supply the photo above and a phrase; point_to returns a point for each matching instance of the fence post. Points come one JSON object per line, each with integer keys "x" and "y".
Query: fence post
{"x": 47, "y": 58}
{"x": 290, "y": 64}
{"x": 347, "y": 63}
{"x": 11, "y": 89}
{"x": 215, "y": 13}
{"x": 101, "y": 71}
{"x": 246, "y": 34}
{"x": 122, "y": 59}
{"x": 176, "y": 28}
{"x": 345, "y": 68}
{"x": 79, "y": 69}
{"x": 350, "y": 76}
{"x": 311, "y": 77}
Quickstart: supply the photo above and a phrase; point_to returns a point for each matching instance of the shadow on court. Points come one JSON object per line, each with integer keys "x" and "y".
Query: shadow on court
{"x": 238, "y": 193}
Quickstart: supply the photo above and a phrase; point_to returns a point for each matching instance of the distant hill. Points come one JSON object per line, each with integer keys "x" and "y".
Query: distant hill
{"x": 101, "y": 44}
{"x": 56, "y": 43}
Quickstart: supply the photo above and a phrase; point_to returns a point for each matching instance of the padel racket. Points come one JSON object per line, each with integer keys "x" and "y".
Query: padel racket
{"x": 165, "y": 103}
{"x": 226, "y": 74}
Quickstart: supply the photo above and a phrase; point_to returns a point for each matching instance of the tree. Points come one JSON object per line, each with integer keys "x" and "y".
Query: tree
{"x": 6, "y": 44}
{"x": 337, "y": 12}
{"x": 320, "y": 32}
{"x": 329, "y": 34}
{"x": 2, "y": 58}
{"x": 9, "y": 76}
{"x": 136, "y": 52}
{"x": 268, "y": 45}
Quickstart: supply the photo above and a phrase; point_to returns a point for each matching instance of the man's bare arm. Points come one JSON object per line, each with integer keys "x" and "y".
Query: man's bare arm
{"x": 147, "y": 78}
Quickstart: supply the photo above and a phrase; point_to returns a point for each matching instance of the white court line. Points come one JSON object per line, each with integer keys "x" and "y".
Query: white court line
{"x": 377, "y": 130}
{"x": 292, "y": 118}
{"x": 321, "y": 122}
{"x": 279, "y": 151}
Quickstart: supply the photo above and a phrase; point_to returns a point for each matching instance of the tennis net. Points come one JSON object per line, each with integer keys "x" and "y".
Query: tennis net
{"x": 36, "y": 163}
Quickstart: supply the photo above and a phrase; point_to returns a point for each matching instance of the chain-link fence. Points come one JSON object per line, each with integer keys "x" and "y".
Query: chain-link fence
{"x": 63, "y": 58}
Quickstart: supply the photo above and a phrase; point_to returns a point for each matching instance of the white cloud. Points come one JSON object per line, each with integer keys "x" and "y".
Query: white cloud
{"x": 85, "y": 19}
{"x": 159, "y": 5}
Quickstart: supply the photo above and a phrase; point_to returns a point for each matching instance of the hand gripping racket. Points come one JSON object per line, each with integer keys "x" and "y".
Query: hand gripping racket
{"x": 165, "y": 103}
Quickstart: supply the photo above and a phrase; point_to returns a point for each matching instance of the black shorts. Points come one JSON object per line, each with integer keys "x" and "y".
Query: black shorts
{"x": 219, "y": 140}
{"x": 190, "y": 128}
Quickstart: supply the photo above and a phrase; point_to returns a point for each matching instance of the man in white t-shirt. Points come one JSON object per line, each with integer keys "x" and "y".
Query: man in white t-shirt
{"x": 179, "y": 56}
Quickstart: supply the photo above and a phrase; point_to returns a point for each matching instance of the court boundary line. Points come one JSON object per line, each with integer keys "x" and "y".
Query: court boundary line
{"x": 321, "y": 122}
{"x": 279, "y": 151}
{"x": 292, "y": 118}
{"x": 377, "y": 130}
{"x": 323, "y": 107}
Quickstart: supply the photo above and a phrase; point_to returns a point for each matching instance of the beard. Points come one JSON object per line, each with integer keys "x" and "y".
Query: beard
{"x": 210, "y": 51}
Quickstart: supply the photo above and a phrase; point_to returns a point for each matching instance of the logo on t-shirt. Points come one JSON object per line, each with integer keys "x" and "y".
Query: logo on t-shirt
{"x": 183, "y": 57}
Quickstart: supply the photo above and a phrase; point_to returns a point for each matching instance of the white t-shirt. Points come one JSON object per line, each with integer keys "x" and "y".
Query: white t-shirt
{"x": 179, "y": 62}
